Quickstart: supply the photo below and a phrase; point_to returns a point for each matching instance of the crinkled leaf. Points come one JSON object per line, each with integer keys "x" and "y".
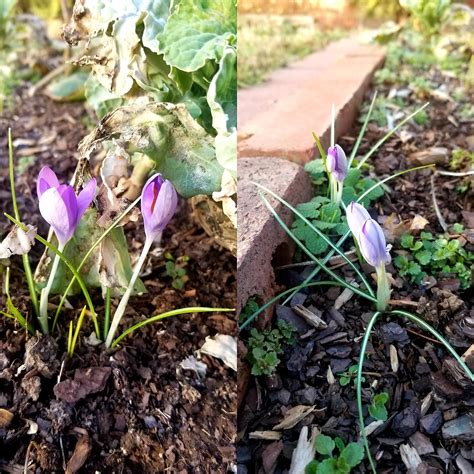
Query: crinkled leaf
{"x": 198, "y": 31}
{"x": 115, "y": 51}
{"x": 182, "y": 150}
{"x": 222, "y": 99}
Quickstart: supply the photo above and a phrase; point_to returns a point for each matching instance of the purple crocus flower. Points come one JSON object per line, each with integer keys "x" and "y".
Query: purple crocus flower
{"x": 337, "y": 162}
{"x": 59, "y": 205}
{"x": 356, "y": 216}
{"x": 159, "y": 201}
{"x": 372, "y": 244}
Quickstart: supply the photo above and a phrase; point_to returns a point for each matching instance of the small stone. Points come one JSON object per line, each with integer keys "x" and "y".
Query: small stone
{"x": 461, "y": 429}
{"x": 340, "y": 365}
{"x": 299, "y": 298}
{"x": 273, "y": 382}
{"x": 283, "y": 396}
{"x": 299, "y": 357}
{"x": 306, "y": 396}
{"x": 405, "y": 423}
{"x": 393, "y": 332}
{"x": 421, "y": 443}
{"x": 339, "y": 351}
{"x": 432, "y": 423}
{"x": 150, "y": 422}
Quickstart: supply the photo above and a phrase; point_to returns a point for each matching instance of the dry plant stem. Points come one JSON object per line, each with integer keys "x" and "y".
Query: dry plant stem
{"x": 441, "y": 220}
{"x": 128, "y": 292}
{"x": 43, "y": 319}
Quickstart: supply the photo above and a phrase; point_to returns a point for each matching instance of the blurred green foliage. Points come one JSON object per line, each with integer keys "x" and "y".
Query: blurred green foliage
{"x": 269, "y": 42}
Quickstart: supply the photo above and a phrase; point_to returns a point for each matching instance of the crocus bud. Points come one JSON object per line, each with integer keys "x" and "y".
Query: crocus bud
{"x": 159, "y": 201}
{"x": 372, "y": 244}
{"x": 356, "y": 216}
{"x": 337, "y": 162}
{"x": 59, "y": 205}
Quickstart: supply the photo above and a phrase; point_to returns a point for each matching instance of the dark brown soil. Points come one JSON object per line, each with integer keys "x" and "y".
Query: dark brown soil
{"x": 141, "y": 412}
{"x": 428, "y": 393}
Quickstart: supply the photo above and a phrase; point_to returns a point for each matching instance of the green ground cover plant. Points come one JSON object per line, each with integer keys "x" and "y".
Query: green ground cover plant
{"x": 266, "y": 346}
{"x": 429, "y": 255}
{"x": 334, "y": 457}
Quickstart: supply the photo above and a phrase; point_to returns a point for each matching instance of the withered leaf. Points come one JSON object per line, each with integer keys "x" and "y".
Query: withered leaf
{"x": 84, "y": 383}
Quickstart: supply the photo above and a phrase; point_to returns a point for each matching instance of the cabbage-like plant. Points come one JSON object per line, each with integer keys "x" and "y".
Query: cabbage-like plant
{"x": 165, "y": 73}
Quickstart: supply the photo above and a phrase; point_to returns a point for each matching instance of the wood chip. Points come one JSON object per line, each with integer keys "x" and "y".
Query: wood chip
{"x": 371, "y": 427}
{"x": 80, "y": 455}
{"x": 393, "y": 358}
{"x": 330, "y": 377}
{"x": 426, "y": 403}
{"x": 265, "y": 435}
{"x": 410, "y": 458}
{"x": 309, "y": 316}
{"x": 345, "y": 296}
{"x": 293, "y": 416}
{"x": 304, "y": 451}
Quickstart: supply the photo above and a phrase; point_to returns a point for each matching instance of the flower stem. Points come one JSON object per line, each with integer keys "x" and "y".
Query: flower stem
{"x": 383, "y": 288}
{"x": 43, "y": 318}
{"x": 119, "y": 312}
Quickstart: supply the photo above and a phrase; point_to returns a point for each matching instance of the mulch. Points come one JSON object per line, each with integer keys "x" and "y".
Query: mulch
{"x": 430, "y": 400}
{"x": 139, "y": 410}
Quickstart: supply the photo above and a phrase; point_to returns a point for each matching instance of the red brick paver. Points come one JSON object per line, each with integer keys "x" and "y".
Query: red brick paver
{"x": 277, "y": 118}
{"x": 260, "y": 239}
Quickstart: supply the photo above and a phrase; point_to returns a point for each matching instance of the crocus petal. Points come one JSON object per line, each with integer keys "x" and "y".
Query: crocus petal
{"x": 159, "y": 201}
{"x": 85, "y": 198}
{"x": 356, "y": 216}
{"x": 337, "y": 162}
{"x": 58, "y": 207}
{"x": 46, "y": 179}
{"x": 372, "y": 244}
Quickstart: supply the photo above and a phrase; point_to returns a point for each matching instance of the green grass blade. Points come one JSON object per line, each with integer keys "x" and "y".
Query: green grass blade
{"x": 321, "y": 235}
{"x": 112, "y": 226}
{"x": 107, "y": 312}
{"x": 362, "y": 131}
{"x": 311, "y": 256}
{"x": 423, "y": 325}
{"x": 281, "y": 295}
{"x": 69, "y": 265}
{"x": 168, "y": 314}
{"x": 69, "y": 338}
{"x": 389, "y": 134}
{"x": 77, "y": 331}
{"x": 360, "y": 367}
{"x": 26, "y": 262}
{"x": 14, "y": 311}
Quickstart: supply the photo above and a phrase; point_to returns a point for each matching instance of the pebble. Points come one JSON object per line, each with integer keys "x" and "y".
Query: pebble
{"x": 432, "y": 423}
{"x": 461, "y": 428}
{"x": 307, "y": 396}
{"x": 393, "y": 332}
{"x": 405, "y": 423}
